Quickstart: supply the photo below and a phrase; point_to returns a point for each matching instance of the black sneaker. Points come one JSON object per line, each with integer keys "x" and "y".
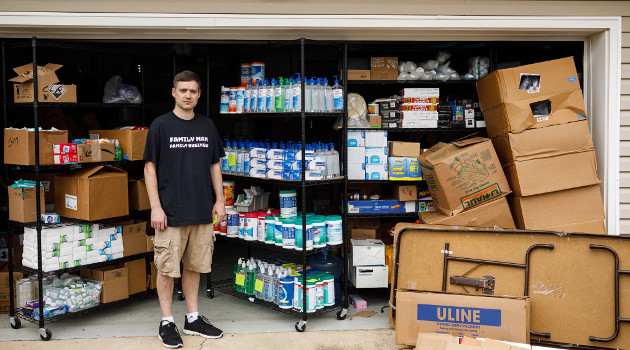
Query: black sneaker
{"x": 169, "y": 335}
{"x": 201, "y": 326}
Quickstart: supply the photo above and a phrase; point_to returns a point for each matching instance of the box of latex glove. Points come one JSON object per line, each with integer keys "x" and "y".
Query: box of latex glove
{"x": 367, "y": 251}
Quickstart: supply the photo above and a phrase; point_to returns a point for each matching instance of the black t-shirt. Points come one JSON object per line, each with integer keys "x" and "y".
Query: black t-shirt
{"x": 183, "y": 151}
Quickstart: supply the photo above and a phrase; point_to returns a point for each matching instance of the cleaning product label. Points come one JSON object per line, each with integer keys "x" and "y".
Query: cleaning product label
{"x": 338, "y": 98}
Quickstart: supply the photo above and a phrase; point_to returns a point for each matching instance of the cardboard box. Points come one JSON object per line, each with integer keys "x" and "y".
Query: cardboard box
{"x": 375, "y": 121}
{"x": 358, "y": 74}
{"x": 463, "y": 174}
{"x": 138, "y": 196}
{"x": 532, "y": 96}
{"x": 356, "y": 171}
{"x": 4, "y": 286}
{"x": 131, "y": 142}
{"x": 376, "y": 138}
{"x": 369, "y": 276}
{"x": 384, "y": 68}
{"x": 554, "y": 209}
{"x": 404, "y": 149}
{"x": 23, "y": 203}
{"x": 415, "y": 95}
{"x": 356, "y": 138}
{"x": 496, "y": 213}
{"x": 367, "y": 252}
{"x": 115, "y": 280}
{"x": 92, "y": 193}
{"x": 129, "y": 227}
{"x": 96, "y": 152}
{"x": 376, "y": 155}
{"x": 550, "y": 174}
{"x": 544, "y": 142}
{"x": 419, "y": 124}
{"x": 381, "y": 206}
{"x": 19, "y": 146}
{"x": 596, "y": 226}
{"x": 503, "y": 318}
{"x": 62, "y": 159}
{"x": 364, "y": 228}
{"x": 49, "y": 90}
{"x": 134, "y": 243}
{"x": 405, "y": 193}
{"x": 137, "y": 276}
{"x": 356, "y": 155}
{"x": 152, "y": 278}
{"x": 46, "y": 179}
{"x": 376, "y": 171}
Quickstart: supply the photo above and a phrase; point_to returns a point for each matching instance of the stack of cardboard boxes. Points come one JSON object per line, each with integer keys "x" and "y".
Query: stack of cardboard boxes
{"x": 419, "y": 107}
{"x": 368, "y": 263}
{"x": 535, "y": 117}
{"x": 467, "y": 184}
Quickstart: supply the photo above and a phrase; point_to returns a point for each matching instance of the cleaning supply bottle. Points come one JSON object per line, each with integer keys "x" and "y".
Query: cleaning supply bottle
{"x": 328, "y": 97}
{"x": 117, "y": 151}
{"x": 262, "y": 96}
{"x": 260, "y": 281}
{"x": 225, "y": 167}
{"x": 297, "y": 94}
{"x": 270, "y": 105}
{"x": 288, "y": 95}
{"x": 246, "y": 157}
{"x": 253, "y": 100}
{"x": 239, "y": 158}
{"x": 278, "y": 95}
{"x": 231, "y": 152}
{"x": 337, "y": 95}
{"x": 247, "y": 98}
{"x": 251, "y": 278}
{"x": 235, "y": 272}
{"x": 308, "y": 95}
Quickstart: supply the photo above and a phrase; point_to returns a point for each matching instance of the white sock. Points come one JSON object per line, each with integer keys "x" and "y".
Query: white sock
{"x": 168, "y": 319}
{"x": 192, "y": 317}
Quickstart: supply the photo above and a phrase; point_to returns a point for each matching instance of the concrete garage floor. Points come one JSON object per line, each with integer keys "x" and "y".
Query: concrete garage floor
{"x": 246, "y": 325}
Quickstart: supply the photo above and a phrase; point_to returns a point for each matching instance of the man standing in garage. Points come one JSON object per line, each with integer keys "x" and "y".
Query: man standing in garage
{"x": 182, "y": 170}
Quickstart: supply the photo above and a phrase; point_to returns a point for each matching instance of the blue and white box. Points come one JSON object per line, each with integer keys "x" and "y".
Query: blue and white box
{"x": 356, "y": 155}
{"x": 356, "y": 138}
{"x": 356, "y": 171}
{"x": 376, "y": 171}
{"x": 376, "y": 138}
{"x": 376, "y": 155}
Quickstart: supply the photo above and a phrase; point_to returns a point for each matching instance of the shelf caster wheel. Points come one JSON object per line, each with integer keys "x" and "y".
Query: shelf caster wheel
{"x": 180, "y": 296}
{"x": 341, "y": 314}
{"x": 45, "y": 334}
{"x": 15, "y": 322}
{"x": 210, "y": 293}
{"x": 300, "y": 326}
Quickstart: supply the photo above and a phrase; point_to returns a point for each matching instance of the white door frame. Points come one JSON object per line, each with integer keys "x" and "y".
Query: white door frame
{"x": 601, "y": 35}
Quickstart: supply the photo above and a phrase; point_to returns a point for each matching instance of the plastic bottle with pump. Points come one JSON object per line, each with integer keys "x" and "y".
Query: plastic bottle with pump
{"x": 335, "y": 160}
{"x": 117, "y": 151}
{"x": 225, "y": 167}
{"x": 278, "y": 95}
{"x": 240, "y": 158}
{"x": 237, "y": 267}
{"x": 270, "y": 105}
{"x": 230, "y": 151}
{"x": 253, "y": 99}
{"x": 260, "y": 279}
{"x": 268, "y": 284}
{"x": 251, "y": 278}
{"x": 328, "y": 97}
{"x": 337, "y": 95}
{"x": 308, "y": 95}
{"x": 321, "y": 98}
{"x": 297, "y": 94}
{"x": 246, "y": 158}
{"x": 288, "y": 95}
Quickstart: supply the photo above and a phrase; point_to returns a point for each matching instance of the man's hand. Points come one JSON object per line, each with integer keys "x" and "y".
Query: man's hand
{"x": 158, "y": 219}
{"x": 219, "y": 211}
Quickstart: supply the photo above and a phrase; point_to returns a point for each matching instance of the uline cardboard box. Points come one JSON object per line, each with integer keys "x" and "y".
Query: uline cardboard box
{"x": 574, "y": 210}
{"x": 404, "y": 149}
{"x": 19, "y": 146}
{"x": 96, "y": 152}
{"x": 405, "y": 192}
{"x": 463, "y": 174}
{"x": 502, "y": 318}
{"x": 23, "y": 203}
{"x": 496, "y": 213}
{"x": 134, "y": 233}
{"x": 92, "y": 193}
{"x": 115, "y": 280}
{"x": 364, "y": 228}
{"x": 531, "y": 96}
{"x": 131, "y": 142}
{"x": 358, "y": 74}
{"x": 47, "y": 83}
{"x": 137, "y": 276}
{"x": 138, "y": 196}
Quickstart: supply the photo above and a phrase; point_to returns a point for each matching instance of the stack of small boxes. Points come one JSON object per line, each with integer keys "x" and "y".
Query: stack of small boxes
{"x": 64, "y": 246}
{"x": 368, "y": 264}
{"x": 65, "y": 153}
{"x": 419, "y": 107}
{"x": 403, "y": 161}
{"x": 367, "y": 155}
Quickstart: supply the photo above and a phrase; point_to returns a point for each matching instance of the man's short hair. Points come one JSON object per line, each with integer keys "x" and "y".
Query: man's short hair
{"x": 186, "y": 76}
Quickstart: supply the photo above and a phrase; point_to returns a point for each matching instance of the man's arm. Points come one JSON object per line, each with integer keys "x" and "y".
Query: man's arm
{"x": 217, "y": 184}
{"x": 158, "y": 217}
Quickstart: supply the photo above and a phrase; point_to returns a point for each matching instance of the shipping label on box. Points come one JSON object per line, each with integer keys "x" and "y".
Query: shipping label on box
{"x": 356, "y": 138}
{"x": 376, "y": 155}
{"x": 463, "y": 174}
{"x": 376, "y": 171}
{"x": 131, "y": 142}
{"x": 502, "y": 318}
{"x": 19, "y": 146}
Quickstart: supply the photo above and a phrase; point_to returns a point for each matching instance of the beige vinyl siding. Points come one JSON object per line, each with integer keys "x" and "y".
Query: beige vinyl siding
{"x": 624, "y": 161}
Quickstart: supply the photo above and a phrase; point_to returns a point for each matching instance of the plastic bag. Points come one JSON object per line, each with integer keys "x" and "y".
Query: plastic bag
{"x": 442, "y": 57}
{"x": 479, "y": 66}
{"x": 117, "y": 92}
{"x": 429, "y": 65}
{"x": 357, "y": 111}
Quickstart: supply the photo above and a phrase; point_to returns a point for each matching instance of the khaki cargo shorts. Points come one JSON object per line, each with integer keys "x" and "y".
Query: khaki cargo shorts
{"x": 192, "y": 245}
